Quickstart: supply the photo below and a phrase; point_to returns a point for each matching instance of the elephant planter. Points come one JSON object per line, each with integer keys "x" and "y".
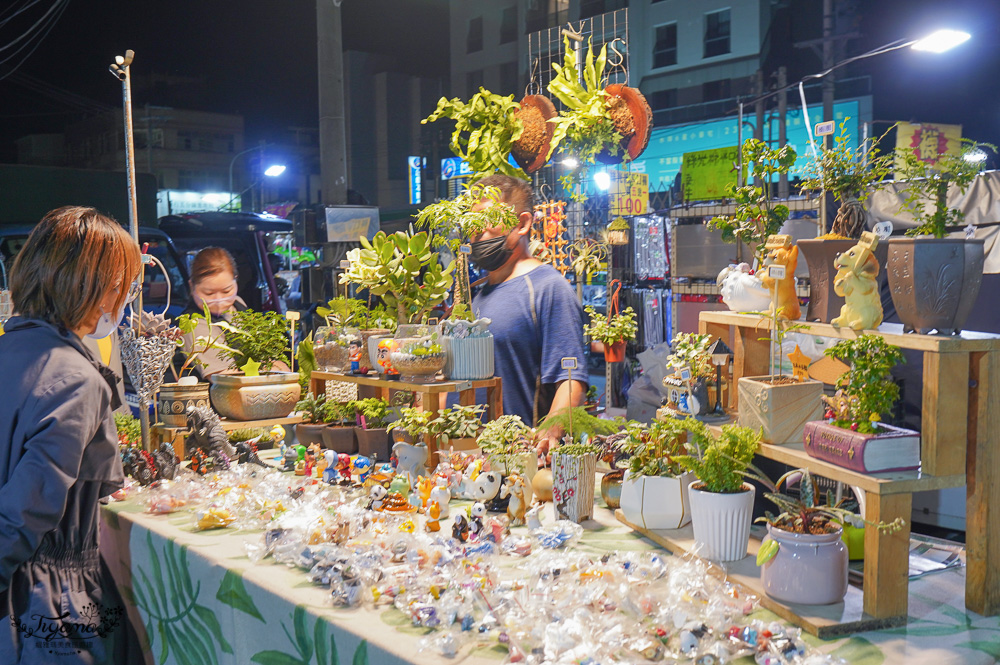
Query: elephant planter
{"x": 411, "y": 459}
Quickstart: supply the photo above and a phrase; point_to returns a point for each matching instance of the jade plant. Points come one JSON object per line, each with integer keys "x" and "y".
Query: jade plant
{"x": 312, "y": 408}
{"x": 720, "y": 462}
{"x": 925, "y": 195}
{"x": 757, "y": 216}
{"x": 373, "y": 410}
{"x": 504, "y": 440}
{"x": 457, "y": 422}
{"x": 256, "y": 341}
{"x": 403, "y": 270}
{"x": 866, "y": 391}
{"x": 619, "y": 328}
{"x": 691, "y": 350}
{"x": 851, "y": 175}
{"x": 486, "y": 128}
{"x": 653, "y": 449}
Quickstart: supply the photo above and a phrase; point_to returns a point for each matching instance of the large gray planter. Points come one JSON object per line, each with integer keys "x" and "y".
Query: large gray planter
{"x": 820, "y": 253}
{"x": 935, "y": 281}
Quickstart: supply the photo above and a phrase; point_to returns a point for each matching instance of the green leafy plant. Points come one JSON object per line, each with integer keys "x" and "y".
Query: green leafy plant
{"x": 504, "y": 439}
{"x": 587, "y": 255}
{"x": 257, "y": 337}
{"x": 620, "y": 328}
{"x": 757, "y": 216}
{"x": 403, "y": 270}
{"x": 457, "y": 422}
{"x": 576, "y": 422}
{"x": 339, "y": 413}
{"x": 414, "y": 422}
{"x": 215, "y": 339}
{"x": 343, "y": 312}
{"x": 866, "y": 391}
{"x": 691, "y": 350}
{"x": 925, "y": 195}
{"x": 305, "y": 358}
{"x": 653, "y": 449}
{"x": 720, "y": 462}
{"x": 852, "y": 175}
{"x": 453, "y": 220}
{"x": 374, "y": 410}
{"x": 129, "y": 429}
{"x": 486, "y": 128}
{"x": 312, "y": 408}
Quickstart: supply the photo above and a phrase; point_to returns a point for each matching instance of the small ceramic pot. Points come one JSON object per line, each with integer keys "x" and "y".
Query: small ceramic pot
{"x": 309, "y": 433}
{"x": 373, "y": 443}
{"x": 611, "y": 488}
{"x": 573, "y": 479}
{"x": 271, "y": 395}
{"x": 808, "y": 569}
{"x": 176, "y": 398}
{"x": 340, "y": 439}
{"x": 614, "y": 353}
{"x": 721, "y": 522}
{"x": 657, "y": 502}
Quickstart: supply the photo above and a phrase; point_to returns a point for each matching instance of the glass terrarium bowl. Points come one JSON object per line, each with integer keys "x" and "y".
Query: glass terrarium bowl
{"x": 330, "y": 347}
{"x": 419, "y": 355}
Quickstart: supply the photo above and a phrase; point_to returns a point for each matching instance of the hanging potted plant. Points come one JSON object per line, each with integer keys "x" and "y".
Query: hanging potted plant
{"x": 654, "y": 491}
{"x": 490, "y": 127}
{"x": 340, "y": 418}
{"x": 803, "y": 559}
{"x": 251, "y": 389}
{"x": 574, "y": 462}
{"x": 614, "y": 331}
{"x": 854, "y": 436}
{"x": 310, "y": 430}
{"x": 934, "y": 280}
{"x": 690, "y": 351}
{"x": 618, "y": 231}
{"x": 372, "y": 434}
{"x": 851, "y": 175}
{"x": 721, "y": 503}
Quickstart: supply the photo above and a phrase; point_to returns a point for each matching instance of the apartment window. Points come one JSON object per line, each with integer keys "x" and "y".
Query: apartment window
{"x": 473, "y": 81}
{"x": 508, "y": 25}
{"x": 508, "y": 79}
{"x": 717, "y": 33}
{"x": 474, "y": 38}
{"x": 665, "y": 47}
{"x": 715, "y": 90}
{"x": 662, "y": 100}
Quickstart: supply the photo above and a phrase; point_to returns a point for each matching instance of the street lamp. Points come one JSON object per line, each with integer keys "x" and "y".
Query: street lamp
{"x": 233, "y": 161}
{"x": 274, "y": 170}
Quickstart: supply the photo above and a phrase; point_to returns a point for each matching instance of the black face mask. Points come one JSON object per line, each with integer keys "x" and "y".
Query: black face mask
{"x": 490, "y": 254}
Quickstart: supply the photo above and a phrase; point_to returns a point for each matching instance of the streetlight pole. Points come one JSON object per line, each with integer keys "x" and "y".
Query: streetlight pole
{"x": 233, "y": 161}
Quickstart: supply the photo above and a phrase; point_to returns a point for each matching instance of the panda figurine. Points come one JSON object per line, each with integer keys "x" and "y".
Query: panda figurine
{"x": 486, "y": 488}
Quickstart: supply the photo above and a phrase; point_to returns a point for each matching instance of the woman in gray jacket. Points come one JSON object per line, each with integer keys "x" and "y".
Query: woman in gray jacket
{"x": 58, "y": 444}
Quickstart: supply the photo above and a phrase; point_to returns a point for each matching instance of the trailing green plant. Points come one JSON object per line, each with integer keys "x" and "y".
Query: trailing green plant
{"x": 256, "y": 337}
{"x": 925, "y": 195}
{"x": 620, "y": 328}
{"x": 803, "y": 513}
{"x": 757, "y": 215}
{"x": 691, "y": 350}
{"x": 339, "y": 413}
{"x": 403, "y": 270}
{"x": 576, "y": 421}
{"x": 312, "y": 408}
{"x": 866, "y": 391}
{"x": 486, "y": 128}
{"x": 653, "y": 449}
{"x": 129, "y": 429}
{"x": 215, "y": 339}
{"x": 457, "y": 422}
{"x": 720, "y": 462}
{"x": 452, "y": 221}
{"x": 851, "y": 175}
{"x": 504, "y": 439}
{"x": 374, "y": 410}
{"x": 413, "y": 421}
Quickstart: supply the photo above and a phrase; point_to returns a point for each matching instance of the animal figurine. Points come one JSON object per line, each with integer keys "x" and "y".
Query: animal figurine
{"x": 460, "y": 529}
{"x": 742, "y": 291}
{"x": 495, "y": 529}
{"x": 400, "y": 485}
{"x": 781, "y": 252}
{"x": 434, "y": 517}
{"x": 167, "y": 462}
{"x": 330, "y": 473}
{"x": 321, "y": 461}
{"x": 423, "y": 488}
{"x": 290, "y": 459}
{"x": 440, "y": 494}
{"x": 246, "y": 453}
{"x": 412, "y": 459}
{"x": 856, "y": 281}
{"x": 477, "y": 514}
{"x": 361, "y": 466}
{"x": 533, "y": 519}
{"x": 516, "y": 505}
{"x": 488, "y": 489}
{"x": 376, "y": 497}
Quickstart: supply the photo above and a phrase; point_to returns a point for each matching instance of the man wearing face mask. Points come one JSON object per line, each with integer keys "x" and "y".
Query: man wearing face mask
{"x": 536, "y": 318}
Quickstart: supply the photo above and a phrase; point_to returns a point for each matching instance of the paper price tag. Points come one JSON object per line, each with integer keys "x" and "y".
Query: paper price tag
{"x": 776, "y": 272}
{"x": 292, "y": 315}
{"x": 685, "y": 374}
{"x": 883, "y": 230}
{"x": 569, "y": 363}
{"x": 346, "y": 265}
{"x": 465, "y": 249}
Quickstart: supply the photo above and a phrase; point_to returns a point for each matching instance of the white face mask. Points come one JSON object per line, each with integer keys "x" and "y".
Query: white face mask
{"x": 107, "y": 325}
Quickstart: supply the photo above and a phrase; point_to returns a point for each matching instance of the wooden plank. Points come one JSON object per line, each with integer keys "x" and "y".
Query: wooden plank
{"x": 887, "y": 558}
{"x": 750, "y": 358}
{"x": 825, "y": 621}
{"x": 494, "y": 399}
{"x": 434, "y": 388}
{"x": 982, "y": 545}
{"x": 944, "y": 413}
{"x": 891, "y": 332}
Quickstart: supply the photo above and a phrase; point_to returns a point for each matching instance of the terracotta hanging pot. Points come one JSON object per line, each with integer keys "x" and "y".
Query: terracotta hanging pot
{"x": 531, "y": 151}
{"x": 614, "y": 353}
{"x": 633, "y": 119}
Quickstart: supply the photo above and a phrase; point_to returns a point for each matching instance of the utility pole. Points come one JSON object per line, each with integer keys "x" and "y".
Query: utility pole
{"x": 332, "y": 130}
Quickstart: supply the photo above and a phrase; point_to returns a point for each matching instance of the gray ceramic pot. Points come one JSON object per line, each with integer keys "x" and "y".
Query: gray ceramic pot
{"x": 935, "y": 281}
{"x": 270, "y": 395}
{"x": 808, "y": 569}
{"x": 824, "y": 303}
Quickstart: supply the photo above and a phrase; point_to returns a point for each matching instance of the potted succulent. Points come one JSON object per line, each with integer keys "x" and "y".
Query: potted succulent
{"x": 721, "y": 503}
{"x": 256, "y": 341}
{"x": 690, "y": 351}
{"x": 934, "y": 280}
{"x": 574, "y": 462}
{"x": 851, "y": 175}
{"x": 654, "y": 491}
{"x": 865, "y": 394}
{"x": 803, "y": 559}
{"x": 372, "y": 435}
{"x": 310, "y": 430}
{"x": 614, "y": 331}
{"x": 490, "y": 127}
{"x": 338, "y": 434}
{"x": 776, "y": 404}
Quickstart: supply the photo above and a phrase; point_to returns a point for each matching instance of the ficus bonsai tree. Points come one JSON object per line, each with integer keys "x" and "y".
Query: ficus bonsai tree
{"x": 215, "y": 339}
{"x": 866, "y": 391}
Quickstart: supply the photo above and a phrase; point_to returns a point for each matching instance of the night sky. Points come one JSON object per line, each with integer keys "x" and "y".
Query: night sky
{"x": 258, "y": 58}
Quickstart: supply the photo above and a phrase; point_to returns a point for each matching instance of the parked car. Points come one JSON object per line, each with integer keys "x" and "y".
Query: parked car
{"x": 247, "y": 237}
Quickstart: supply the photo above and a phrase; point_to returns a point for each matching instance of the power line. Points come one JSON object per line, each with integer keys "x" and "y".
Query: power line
{"x": 41, "y": 34}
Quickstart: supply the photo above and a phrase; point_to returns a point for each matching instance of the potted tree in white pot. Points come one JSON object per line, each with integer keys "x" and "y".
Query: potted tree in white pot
{"x": 721, "y": 502}
{"x": 654, "y": 491}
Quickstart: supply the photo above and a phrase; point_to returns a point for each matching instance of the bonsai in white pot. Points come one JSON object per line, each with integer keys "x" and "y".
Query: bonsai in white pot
{"x": 721, "y": 503}
{"x": 655, "y": 488}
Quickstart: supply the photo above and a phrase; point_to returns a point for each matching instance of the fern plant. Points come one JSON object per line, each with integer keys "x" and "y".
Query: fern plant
{"x": 576, "y": 421}
{"x": 720, "y": 462}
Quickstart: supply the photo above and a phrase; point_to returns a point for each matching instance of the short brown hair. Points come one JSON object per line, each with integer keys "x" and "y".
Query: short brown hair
{"x": 72, "y": 258}
{"x": 513, "y": 191}
{"x": 211, "y": 261}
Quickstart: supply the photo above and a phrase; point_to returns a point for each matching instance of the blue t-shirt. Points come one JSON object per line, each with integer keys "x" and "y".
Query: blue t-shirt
{"x": 523, "y": 350}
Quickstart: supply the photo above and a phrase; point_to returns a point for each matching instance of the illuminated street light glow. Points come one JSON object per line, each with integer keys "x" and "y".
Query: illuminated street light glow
{"x": 602, "y": 180}
{"x": 940, "y": 41}
{"x": 275, "y": 170}
{"x": 571, "y": 162}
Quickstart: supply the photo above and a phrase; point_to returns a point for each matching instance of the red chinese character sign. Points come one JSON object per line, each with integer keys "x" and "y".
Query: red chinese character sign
{"x": 928, "y": 141}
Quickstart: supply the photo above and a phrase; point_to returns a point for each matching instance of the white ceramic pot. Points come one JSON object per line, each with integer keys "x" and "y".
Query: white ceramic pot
{"x": 721, "y": 522}
{"x": 469, "y": 358}
{"x": 656, "y": 502}
{"x": 573, "y": 480}
{"x": 808, "y": 569}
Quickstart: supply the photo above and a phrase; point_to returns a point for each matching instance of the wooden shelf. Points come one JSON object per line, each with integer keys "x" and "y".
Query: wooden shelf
{"x": 824, "y": 621}
{"x": 435, "y": 387}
